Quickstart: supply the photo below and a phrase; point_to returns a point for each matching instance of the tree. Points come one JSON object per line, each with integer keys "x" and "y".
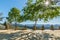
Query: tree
{"x": 42, "y": 28}
{"x": 40, "y": 10}
{"x": 59, "y": 27}
{"x": 6, "y": 25}
{"x": 14, "y": 16}
{"x": 1, "y": 17}
{"x": 52, "y": 27}
{"x": 34, "y": 28}
{"x": 25, "y": 27}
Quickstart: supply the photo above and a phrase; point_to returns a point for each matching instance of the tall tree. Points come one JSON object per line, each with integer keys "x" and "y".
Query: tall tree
{"x": 40, "y": 10}
{"x": 42, "y": 28}
{"x": 52, "y": 27}
{"x": 1, "y": 17}
{"x": 14, "y": 16}
{"x": 59, "y": 28}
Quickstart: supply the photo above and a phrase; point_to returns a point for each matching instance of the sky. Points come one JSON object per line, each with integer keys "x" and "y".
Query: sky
{"x": 6, "y": 5}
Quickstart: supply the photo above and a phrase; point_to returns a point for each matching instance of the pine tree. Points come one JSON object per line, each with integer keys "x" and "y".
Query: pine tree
{"x": 25, "y": 28}
{"x": 59, "y": 27}
{"x": 52, "y": 27}
{"x": 42, "y": 28}
{"x": 6, "y": 25}
{"x": 34, "y": 28}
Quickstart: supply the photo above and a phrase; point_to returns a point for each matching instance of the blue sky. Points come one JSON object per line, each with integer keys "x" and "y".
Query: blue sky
{"x": 6, "y": 5}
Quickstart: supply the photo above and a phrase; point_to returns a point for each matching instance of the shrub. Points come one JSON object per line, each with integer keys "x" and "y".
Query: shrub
{"x": 34, "y": 28}
{"x": 59, "y": 27}
{"x": 16, "y": 28}
{"x": 25, "y": 28}
{"x": 5, "y": 24}
{"x": 42, "y": 28}
{"x": 52, "y": 27}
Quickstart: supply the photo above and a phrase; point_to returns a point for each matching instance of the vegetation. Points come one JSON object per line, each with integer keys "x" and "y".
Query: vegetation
{"x": 44, "y": 12}
{"x": 33, "y": 11}
{"x": 1, "y": 17}
{"x": 52, "y": 27}
{"x": 6, "y": 25}
{"x": 25, "y": 27}
{"x": 42, "y": 28}
{"x": 59, "y": 27}
{"x": 14, "y": 16}
{"x": 34, "y": 28}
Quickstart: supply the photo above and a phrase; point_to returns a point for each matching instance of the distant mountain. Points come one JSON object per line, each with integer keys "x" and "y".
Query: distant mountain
{"x": 30, "y": 26}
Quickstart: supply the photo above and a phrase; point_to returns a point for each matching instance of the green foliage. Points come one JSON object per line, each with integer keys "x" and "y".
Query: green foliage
{"x": 36, "y": 10}
{"x": 14, "y": 15}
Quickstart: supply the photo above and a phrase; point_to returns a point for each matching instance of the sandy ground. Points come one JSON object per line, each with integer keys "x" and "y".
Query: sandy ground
{"x": 55, "y": 32}
{"x": 26, "y": 34}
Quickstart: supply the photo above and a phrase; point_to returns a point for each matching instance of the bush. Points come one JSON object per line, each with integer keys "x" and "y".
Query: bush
{"x": 5, "y": 24}
{"x": 34, "y": 28}
{"x": 52, "y": 27}
{"x": 59, "y": 27}
{"x": 42, "y": 28}
{"x": 25, "y": 28}
{"x": 16, "y": 28}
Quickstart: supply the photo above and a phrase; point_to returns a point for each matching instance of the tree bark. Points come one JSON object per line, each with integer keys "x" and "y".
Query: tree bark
{"x": 15, "y": 24}
{"x": 35, "y": 25}
{"x": 35, "y": 21}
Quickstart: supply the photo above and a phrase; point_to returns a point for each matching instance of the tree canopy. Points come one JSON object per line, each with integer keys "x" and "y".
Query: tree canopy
{"x": 14, "y": 15}
{"x": 38, "y": 9}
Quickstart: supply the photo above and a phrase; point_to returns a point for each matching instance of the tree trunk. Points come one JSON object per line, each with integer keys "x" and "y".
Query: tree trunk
{"x": 35, "y": 22}
{"x": 15, "y": 24}
{"x": 6, "y": 25}
{"x": 35, "y": 25}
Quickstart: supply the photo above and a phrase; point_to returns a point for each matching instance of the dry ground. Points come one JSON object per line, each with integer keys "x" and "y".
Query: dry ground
{"x": 26, "y": 34}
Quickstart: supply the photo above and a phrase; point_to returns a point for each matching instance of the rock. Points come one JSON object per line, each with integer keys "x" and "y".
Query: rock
{"x": 2, "y": 27}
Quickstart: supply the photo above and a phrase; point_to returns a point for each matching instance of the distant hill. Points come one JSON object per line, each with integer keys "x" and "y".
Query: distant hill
{"x": 30, "y": 26}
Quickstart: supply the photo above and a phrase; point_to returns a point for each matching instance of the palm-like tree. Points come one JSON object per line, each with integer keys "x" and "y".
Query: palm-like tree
{"x": 38, "y": 10}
